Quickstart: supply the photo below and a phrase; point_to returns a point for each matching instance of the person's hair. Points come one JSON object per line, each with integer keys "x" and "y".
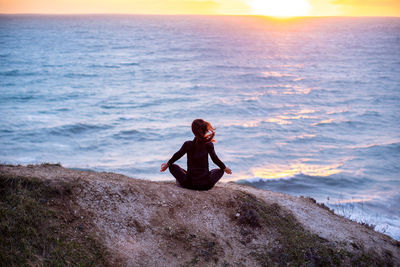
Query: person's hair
{"x": 203, "y": 131}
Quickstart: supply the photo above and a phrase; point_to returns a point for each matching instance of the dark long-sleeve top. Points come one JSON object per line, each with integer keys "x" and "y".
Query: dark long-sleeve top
{"x": 197, "y": 158}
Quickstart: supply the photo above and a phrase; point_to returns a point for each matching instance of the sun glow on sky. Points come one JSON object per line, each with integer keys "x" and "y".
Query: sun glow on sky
{"x": 275, "y": 8}
{"x": 281, "y": 8}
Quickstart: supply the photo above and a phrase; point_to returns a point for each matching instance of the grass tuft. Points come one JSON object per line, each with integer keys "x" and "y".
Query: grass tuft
{"x": 34, "y": 231}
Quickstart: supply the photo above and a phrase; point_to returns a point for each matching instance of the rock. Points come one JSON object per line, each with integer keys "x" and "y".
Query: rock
{"x": 229, "y": 225}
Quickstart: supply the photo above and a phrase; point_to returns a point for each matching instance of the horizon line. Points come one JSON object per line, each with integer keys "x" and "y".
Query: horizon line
{"x": 190, "y": 14}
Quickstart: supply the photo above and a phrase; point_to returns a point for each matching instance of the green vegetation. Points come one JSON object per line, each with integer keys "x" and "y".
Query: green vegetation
{"x": 293, "y": 245}
{"x": 37, "y": 227}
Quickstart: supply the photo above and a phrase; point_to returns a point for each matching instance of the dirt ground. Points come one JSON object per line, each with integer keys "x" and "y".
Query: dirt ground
{"x": 147, "y": 223}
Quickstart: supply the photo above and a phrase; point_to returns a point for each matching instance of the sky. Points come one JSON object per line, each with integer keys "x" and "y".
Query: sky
{"x": 278, "y": 8}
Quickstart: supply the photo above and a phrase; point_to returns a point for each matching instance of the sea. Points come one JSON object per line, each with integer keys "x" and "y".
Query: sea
{"x": 304, "y": 106}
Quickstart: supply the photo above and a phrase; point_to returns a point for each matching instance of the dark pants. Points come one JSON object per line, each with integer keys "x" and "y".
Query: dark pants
{"x": 182, "y": 178}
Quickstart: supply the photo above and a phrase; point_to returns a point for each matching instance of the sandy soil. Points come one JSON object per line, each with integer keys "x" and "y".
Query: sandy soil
{"x": 147, "y": 223}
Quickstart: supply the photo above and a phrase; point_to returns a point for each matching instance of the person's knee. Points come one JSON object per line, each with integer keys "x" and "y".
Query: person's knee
{"x": 216, "y": 175}
{"x": 173, "y": 167}
{"x": 219, "y": 172}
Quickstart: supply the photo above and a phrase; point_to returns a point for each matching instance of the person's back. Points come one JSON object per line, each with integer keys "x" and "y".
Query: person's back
{"x": 197, "y": 161}
{"x": 198, "y": 175}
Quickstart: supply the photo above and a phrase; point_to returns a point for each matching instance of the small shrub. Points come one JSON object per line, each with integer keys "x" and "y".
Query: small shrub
{"x": 368, "y": 225}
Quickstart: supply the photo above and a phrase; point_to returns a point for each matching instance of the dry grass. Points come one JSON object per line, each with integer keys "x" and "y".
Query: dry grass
{"x": 37, "y": 230}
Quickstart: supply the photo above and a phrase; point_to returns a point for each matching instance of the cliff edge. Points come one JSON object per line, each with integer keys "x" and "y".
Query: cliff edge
{"x": 50, "y": 215}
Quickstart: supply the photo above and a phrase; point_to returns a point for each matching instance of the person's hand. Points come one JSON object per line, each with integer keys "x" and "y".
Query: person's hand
{"x": 228, "y": 171}
{"x": 164, "y": 166}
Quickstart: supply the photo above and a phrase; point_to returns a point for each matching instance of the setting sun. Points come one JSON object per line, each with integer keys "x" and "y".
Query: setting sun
{"x": 282, "y": 8}
{"x": 273, "y": 8}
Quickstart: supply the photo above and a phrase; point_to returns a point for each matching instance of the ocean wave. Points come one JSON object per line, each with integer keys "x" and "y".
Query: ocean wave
{"x": 19, "y": 98}
{"x": 92, "y": 147}
{"x": 80, "y": 75}
{"x": 123, "y": 47}
{"x": 299, "y": 182}
{"x": 124, "y": 106}
{"x": 253, "y": 77}
{"x": 340, "y": 111}
{"x": 277, "y": 74}
{"x": 130, "y": 64}
{"x": 306, "y": 138}
{"x": 63, "y": 109}
{"x": 47, "y": 65}
{"x": 136, "y": 135}
{"x": 126, "y": 119}
{"x": 16, "y": 73}
{"x": 8, "y": 84}
{"x": 391, "y": 148}
{"x": 6, "y": 131}
{"x": 370, "y": 113}
{"x": 340, "y": 123}
{"x": 236, "y": 67}
{"x": 201, "y": 87}
{"x": 129, "y": 132}
{"x": 104, "y": 66}
{"x": 143, "y": 104}
{"x": 78, "y": 128}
